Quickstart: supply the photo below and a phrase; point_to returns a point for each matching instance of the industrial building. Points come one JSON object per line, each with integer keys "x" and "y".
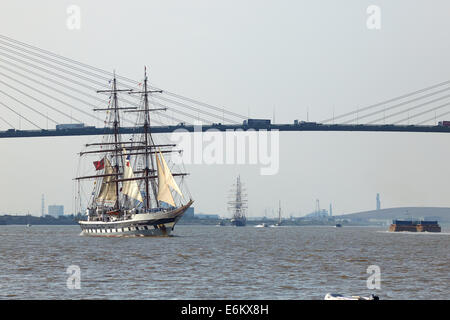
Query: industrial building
{"x": 378, "y": 202}
{"x": 56, "y": 210}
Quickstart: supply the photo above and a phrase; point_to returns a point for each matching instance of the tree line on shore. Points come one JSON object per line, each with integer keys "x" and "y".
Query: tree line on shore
{"x": 33, "y": 220}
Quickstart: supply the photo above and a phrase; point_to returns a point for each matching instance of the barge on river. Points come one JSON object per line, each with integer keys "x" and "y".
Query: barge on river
{"x": 414, "y": 226}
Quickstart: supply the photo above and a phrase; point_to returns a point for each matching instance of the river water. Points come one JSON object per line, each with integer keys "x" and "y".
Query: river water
{"x": 209, "y": 262}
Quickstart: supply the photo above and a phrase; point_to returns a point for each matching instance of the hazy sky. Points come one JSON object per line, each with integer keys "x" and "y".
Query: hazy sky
{"x": 252, "y": 57}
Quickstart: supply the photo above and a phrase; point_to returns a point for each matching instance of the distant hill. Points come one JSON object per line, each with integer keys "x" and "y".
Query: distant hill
{"x": 429, "y": 213}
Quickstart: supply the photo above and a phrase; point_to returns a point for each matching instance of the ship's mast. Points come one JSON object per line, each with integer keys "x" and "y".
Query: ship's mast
{"x": 238, "y": 198}
{"x": 239, "y": 202}
{"x": 147, "y": 136}
{"x": 116, "y": 132}
{"x": 144, "y": 147}
{"x": 279, "y": 211}
{"x": 148, "y": 143}
{"x": 116, "y": 125}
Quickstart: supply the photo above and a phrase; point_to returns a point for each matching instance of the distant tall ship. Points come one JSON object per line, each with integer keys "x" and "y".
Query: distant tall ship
{"x": 238, "y": 204}
{"x": 135, "y": 192}
{"x": 279, "y": 215}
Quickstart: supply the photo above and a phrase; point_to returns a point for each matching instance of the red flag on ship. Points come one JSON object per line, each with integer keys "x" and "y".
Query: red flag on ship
{"x": 99, "y": 165}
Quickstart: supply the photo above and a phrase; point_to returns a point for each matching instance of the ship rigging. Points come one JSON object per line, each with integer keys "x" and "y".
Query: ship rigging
{"x": 238, "y": 204}
{"x": 135, "y": 191}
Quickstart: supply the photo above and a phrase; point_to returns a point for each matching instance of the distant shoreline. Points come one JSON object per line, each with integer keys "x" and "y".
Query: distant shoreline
{"x": 383, "y": 219}
{"x": 73, "y": 220}
{"x": 33, "y": 220}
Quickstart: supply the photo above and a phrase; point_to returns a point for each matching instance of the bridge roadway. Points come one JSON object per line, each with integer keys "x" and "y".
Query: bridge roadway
{"x": 12, "y": 133}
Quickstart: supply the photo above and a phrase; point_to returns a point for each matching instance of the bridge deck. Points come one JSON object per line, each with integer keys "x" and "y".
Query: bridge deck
{"x": 12, "y": 133}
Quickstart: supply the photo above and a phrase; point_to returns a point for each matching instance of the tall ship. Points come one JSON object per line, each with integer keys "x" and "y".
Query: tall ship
{"x": 279, "y": 215}
{"x": 238, "y": 204}
{"x": 414, "y": 226}
{"x": 135, "y": 192}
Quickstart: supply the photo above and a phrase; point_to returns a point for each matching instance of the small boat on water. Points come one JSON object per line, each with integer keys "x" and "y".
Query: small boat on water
{"x": 336, "y": 296}
{"x": 28, "y": 220}
{"x": 221, "y": 223}
{"x": 338, "y": 225}
{"x": 262, "y": 225}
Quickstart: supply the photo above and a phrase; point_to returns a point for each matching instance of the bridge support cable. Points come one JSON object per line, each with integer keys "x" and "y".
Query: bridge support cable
{"x": 20, "y": 116}
{"x": 15, "y": 53}
{"x": 100, "y": 74}
{"x": 81, "y": 84}
{"x": 31, "y": 108}
{"x": 60, "y": 92}
{"x": 410, "y": 109}
{"x": 222, "y": 110}
{"x": 423, "y": 112}
{"x": 110, "y": 75}
{"x": 89, "y": 104}
{"x": 92, "y": 74}
{"x": 356, "y": 113}
{"x": 388, "y": 109}
{"x": 39, "y": 101}
{"x": 93, "y": 89}
{"x": 100, "y": 84}
{"x": 192, "y": 116}
{"x": 191, "y": 108}
{"x": 50, "y": 59}
{"x": 7, "y": 122}
{"x": 396, "y": 106}
{"x": 46, "y": 95}
{"x": 54, "y": 81}
{"x": 434, "y": 118}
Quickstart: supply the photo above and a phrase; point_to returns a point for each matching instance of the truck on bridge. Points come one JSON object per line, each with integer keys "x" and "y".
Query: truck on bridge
{"x": 257, "y": 123}
{"x": 444, "y": 123}
{"x": 69, "y": 126}
{"x": 297, "y": 123}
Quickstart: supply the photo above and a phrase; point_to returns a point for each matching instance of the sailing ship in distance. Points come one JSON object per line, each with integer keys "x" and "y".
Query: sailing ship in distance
{"x": 279, "y": 215}
{"x": 238, "y": 204}
{"x": 135, "y": 191}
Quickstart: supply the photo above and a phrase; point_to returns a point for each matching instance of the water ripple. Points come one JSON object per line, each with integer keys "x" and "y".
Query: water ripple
{"x": 202, "y": 262}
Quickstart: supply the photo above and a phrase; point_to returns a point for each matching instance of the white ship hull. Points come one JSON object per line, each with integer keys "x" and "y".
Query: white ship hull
{"x": 143, "y": 224}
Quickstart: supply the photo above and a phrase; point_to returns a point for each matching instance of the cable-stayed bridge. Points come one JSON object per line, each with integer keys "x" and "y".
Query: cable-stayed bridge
{"x": 46, "y": 94}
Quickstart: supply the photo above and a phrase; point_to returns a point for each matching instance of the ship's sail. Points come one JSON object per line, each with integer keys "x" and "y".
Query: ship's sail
{"x": 108, "y": 190}
{"x": 130, "y": 187}
{"x": 165, "y": 181}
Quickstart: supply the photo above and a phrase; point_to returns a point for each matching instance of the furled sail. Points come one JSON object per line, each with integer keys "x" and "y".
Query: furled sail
{"x": 130, "y": 187}
{"x": 108, "y": 190}
{"x": 165, "y": 180}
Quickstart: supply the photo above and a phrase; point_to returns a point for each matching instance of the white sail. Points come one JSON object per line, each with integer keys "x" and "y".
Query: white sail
{"x": 165, "y": 180}
{"x": 108, "y": 190}
{"x": 130, "y": 187}
{"x": 164, "y": 193}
